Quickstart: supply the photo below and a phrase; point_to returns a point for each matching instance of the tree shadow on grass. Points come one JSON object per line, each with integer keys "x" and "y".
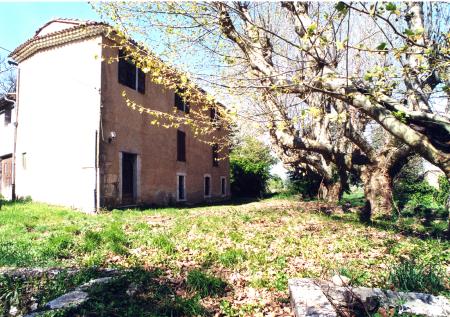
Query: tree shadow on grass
{"x": 130, "y": 292}
{"x": 386, "y": 224}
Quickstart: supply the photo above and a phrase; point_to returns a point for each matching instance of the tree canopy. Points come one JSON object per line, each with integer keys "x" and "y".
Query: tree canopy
{"x": 341, "y": 88}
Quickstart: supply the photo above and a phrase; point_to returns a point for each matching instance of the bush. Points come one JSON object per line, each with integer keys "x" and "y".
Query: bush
{"x": 304, "y": 183}
{"x": 417, "y": 277}
{"x": 416, "y": 198}
{"x": 250, "y": 164}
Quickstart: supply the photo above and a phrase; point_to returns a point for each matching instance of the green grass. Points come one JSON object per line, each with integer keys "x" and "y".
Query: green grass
{"x": 205, "y": 284}
{"x": 417, "y": 276}
{"x": 252, "y": 247}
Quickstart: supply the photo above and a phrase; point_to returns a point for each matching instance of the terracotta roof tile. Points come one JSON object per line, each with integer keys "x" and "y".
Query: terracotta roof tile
{"x": 78, "y": 24}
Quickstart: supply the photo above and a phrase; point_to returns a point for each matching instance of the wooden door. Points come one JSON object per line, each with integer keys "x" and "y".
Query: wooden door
{"x": 6, "y": 177}
{"x": 128, "y": 178}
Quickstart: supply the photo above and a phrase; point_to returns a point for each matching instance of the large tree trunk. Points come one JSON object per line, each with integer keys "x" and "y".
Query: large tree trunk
{"x": 377, "y": 190}
{"x": 330, "y": 192}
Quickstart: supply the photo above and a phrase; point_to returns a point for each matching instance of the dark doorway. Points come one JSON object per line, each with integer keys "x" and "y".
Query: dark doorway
{"x": 128, "y": 178}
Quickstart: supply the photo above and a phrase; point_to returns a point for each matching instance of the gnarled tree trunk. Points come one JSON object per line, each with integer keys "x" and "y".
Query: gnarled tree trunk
{"x": 377, "y": 190}
{"x": 330, "y": 191}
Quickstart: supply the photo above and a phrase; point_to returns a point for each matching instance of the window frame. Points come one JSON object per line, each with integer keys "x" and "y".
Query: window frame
{"x": 139, "y": 77}
{"x": 181, "y": 150}
{"x": 205, "y": 176}
{"x": 184, "y": 187}
{"x": 180, "y": 102}
{"x": 223, "y": 186}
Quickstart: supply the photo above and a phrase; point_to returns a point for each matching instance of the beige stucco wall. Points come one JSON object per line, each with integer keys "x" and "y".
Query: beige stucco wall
{"x": 58, "y": 118}
{"x": 155, "y": 146}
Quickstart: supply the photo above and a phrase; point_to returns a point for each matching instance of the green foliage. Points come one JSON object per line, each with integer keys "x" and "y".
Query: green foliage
{"x": 231, "y": 257}
{"x": 22, "y": 292}
{"x": 205, "y": 284}
{"x": 164, "y": 242}
{"x": 303, "y": 182}
{"x": 116, "y": 238}
{"x": 250, "y": 163}
{"x": 391, "y": 7}
{"x": 276, "y": 184}
{"x": 417, "y": 277}
{"x": 91, "y": 241}
{"x": 357, "y": 277}
{"x": 59, "y": 246}
{"x": 151, "y": 297}
{"x": 415, "y": 197}
{"x": 382, "y": 47}
{"x": 443, "y": 195}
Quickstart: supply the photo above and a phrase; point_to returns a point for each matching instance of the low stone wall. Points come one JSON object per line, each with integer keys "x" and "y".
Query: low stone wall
{"x": 314, "y": 298}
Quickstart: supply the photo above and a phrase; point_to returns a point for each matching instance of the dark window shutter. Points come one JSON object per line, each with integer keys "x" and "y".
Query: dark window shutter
{"x": 212, "y": 113}
{"x": 141, "y": 81}
{"x": 181, "y": 146}
{"x": 207, "y": 186}
{"x": 127, "y": 71}
{"x": 122, "y": 69}
{"x": 215, "y": 155}
{"x": 179, "y": 103}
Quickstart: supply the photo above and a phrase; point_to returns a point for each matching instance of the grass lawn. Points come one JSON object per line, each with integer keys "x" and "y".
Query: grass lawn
{"x": 231, "y": 260}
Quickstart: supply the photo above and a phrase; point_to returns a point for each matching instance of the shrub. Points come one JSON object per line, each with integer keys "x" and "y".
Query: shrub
{"x": 205, "y": 284}
{"x": 417, "y": 277}
{"x": 250, "y": 164}
{"x": 303, "y": 182}
{"x": 416, "y": 198}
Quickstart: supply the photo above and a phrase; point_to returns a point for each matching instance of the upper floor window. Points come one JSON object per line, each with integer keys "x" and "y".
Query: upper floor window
{"x": 214, "y": 117}
{"x": 130, "y": 75}
{"x": 181, "y": 146}
{"x": 181, "y": 102}
{"x": 215, "y": 154}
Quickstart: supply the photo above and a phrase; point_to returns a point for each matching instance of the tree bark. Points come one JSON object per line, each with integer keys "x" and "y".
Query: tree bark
{"x": 330, "y": 192}
{"x": 377, "y": 190}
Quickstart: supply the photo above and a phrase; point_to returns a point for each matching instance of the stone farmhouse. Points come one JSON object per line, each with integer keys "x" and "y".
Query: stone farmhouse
{"x": 76, "y": 143}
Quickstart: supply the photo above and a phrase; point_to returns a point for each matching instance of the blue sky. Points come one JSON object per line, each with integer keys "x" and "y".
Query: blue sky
{"x": 19, "y": 20}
